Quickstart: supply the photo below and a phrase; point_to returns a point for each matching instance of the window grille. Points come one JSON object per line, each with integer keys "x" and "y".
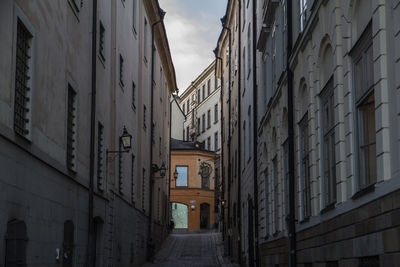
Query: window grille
{"x": 71, "y": 129}
{"x": 100, "y": 160}
{"x": 22, "y": 72}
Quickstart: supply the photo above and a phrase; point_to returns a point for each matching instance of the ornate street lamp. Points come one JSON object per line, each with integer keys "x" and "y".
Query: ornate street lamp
{"x": 161, "y": 169}
{"x": 175, "y": 174}
{"x": 126, "y": 140}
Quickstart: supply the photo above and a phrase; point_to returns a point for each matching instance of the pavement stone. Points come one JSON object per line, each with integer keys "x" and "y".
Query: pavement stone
{"x": 194, "y": 249}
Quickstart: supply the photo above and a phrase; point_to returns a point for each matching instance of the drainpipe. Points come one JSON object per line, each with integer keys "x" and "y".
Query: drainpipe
{"x": 161, "y": 14}
{"x": 239, "y": 189}
{"x": 289, "y": 74}
{"x": 255, "y": 135}
{"x": 90, "y": 245}
{"x": 229, "y": 129}
{"x": 222, "y": 135}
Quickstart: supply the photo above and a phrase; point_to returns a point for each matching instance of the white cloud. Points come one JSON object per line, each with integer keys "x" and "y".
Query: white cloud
{"x": 191, "y": 40}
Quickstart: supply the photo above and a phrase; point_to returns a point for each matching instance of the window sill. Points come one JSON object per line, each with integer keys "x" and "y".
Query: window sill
{"x": 364, "y": 191}
{"x": 328, "y": 207}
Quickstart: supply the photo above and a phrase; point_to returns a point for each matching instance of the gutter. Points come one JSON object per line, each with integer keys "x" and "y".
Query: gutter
{"x": 255, "y": 135}
{"x": 90, "y": 243}
{"x": 289, "y": 75}
{"x": 161, "y": 14}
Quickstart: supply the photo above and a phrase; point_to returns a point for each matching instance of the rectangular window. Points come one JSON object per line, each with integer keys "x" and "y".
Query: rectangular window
{"x": 184, "y": 108}
{"x": 145, "y": 44}
{"x": 71, "y": 129}
{"x": 203, "y": 122}
{"x": 286, "y": 175}
{"x": 101, "y": 41}
{"x": 187, "y": 133}
{"x": 216, "y": 113}
{"x": 133, "y": 94}
{"x": 276, "y": 194}
{"x": 184, "y": 135}
{"x": 143, "y": 187}
{"x": 100, "y": 156}
{"x": 159, "y": 146}
{"x": 365, "y": 105}
{"x": 248, "y": 49}
{"x": 266, "y": 196}
{"x": 134, "y": 15}
{"x": 328, "y": 146}
{"x": 203, "y": 91}
{"x": 209, "y": 143}
{"x": 198, "y": 96}
{"x": 121, "y": 70}
{"x": 23, "y": 74}
{"x": 187, "y": 106}
{"x": 132, "y": 178}
{"x": 120, "y": 170}
{"x": 182, "y": 180}
{"x": 244, "y": 143}
{"x": 208, "y": 119}
{"x": 144, "y": 116}
{"x": 198, "y": 126}
{"x": 244, "y": 67}
{"x": 305, "y": 167}
{"x": 216, "y": 145}
{"x": 303, "y": 14}
{"x": 208, "y": 87}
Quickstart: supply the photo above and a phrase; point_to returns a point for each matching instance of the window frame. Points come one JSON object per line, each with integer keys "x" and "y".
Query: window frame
{"x": 305, "y": 165}
{"x": 187, "y": 176}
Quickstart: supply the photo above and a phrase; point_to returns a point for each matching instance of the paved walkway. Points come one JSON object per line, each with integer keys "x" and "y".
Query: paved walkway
{"x": 203, "y": 249}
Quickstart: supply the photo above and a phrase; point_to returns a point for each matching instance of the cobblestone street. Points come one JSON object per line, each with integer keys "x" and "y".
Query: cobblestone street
{"x": 191, "y": 249}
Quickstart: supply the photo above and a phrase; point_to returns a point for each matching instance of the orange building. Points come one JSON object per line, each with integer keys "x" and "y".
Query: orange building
{"x": 192, "y": 189}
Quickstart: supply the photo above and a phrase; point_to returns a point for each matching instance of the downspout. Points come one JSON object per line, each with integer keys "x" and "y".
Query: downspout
{"x": 90, "y": 245}
{"x": 222, "y": 137}
{"x": 161, "y": 14}
{"x": 255, "y": 127}
{"x": 169, "y": 163}
{"x": 289, "y": 74}
{"x": 239, "y": 190}
{"x": 229, "y": 129}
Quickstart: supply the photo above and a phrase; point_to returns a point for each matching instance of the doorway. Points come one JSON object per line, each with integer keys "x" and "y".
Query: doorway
{"x": 204, "y": 216}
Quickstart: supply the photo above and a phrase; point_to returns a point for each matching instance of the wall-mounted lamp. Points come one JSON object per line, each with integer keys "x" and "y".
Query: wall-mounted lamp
{"x": 223, "y": 202}
{"x": 193, "y": 207}
{"x": 175, "y": 174}
{"x": 126, "y": 141}
{"x": 161, "y": 169}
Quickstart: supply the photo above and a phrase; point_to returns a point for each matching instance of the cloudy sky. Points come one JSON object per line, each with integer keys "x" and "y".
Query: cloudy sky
{"x": 193, "y": 27}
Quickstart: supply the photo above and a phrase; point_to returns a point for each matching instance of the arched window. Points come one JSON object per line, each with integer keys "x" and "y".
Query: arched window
{"x": 68, "y": 244}
{"x": 16, "y": 241}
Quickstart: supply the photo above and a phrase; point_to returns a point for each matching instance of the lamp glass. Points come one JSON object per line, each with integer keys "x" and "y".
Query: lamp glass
{"x": 163, "y": 170}
{"x": 126, "y": 140}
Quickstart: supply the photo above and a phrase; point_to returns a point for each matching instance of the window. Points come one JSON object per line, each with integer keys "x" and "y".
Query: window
{"x": 209, "y": 143}
{"x": 145, "y": 44}
{"x": 216, "y": 113}
{"x": 208, "y": 87}
{"x": 132, "y": 178}
{"x": 68, "y": 244}
{"x": 266, "y": 195}
{"x": 184, "y": 135}
{"x": 182, "y": 180}
{"x": 244, "y": 141}
{"x": 216, "y": 145}
{"x": 133, "y": 95}
{"x": 328, "y": 146}
{"x": 187, "y": 106}
{"x": 215, "y": 82}
{"x": 23, "y": 73}
{"x": 198, "y": 96}
{"x": 365, "y": 108}
{"x": 187, "y": 133}
{"x": 305, "y": 167}
{"x": 303, "y": 14}
{"x": 198, "y": 126}
{"x": 134, "y": 15}
{"x": 143, "y": 186}
{"x": 101, "y": 41}
{"x": 249, "y": 49}
{"x": 273, "y": 57}
{"x": 369, "y": 261}
{"x": 208, "y": 119}
{"x": 286, "y": 175}
{"x": 276, "y": 194}
{"x": 159, "y": 146}
{"x": 121, "y": 70}
{"x": 71, "y": 129}
{"x": 100, "y": 159}
{"x": 120, "y": 170}
{"x": 203, "y": 122}
{"x": 183, "y": 108}
{"x": 244, "y": 67}
{"x": 16, "y": 243}
{"x": 203, "y": 91}
{"x": 144, "y": 116}
{"x": 243, "y": 12}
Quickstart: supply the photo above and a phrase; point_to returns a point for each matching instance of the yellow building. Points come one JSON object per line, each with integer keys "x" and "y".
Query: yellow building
{"x": 192, "y": 189}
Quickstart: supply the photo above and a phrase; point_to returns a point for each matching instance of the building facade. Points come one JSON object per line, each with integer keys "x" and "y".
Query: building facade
{"x": 326, "y": 131}
{"x": 77, "y": 78}
{"x": 192, "y": 189}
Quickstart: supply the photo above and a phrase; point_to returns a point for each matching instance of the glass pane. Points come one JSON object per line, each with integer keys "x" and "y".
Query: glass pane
{"x": 182, "y": 179}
